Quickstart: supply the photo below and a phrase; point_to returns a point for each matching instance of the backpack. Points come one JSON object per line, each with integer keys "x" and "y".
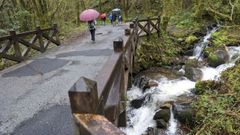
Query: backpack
{"x": 91, "y": 26}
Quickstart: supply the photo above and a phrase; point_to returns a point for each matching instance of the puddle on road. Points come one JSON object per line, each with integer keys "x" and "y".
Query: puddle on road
{"x": 92, "y": 52}
{"x": 39, "y": 66}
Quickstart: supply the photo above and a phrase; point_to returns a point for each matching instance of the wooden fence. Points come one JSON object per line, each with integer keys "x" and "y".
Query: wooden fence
{"x": 98, "y": 106}
{"x": 17, "y": 47}
{"x": 147, "y": 26}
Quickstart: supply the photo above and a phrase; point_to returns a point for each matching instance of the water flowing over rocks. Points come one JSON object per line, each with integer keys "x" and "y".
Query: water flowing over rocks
{"x": 219, "y": 57}
{"x": 160, "y": 100}
{"x": 193, "y": 74}
{"x": 137, "y": 103}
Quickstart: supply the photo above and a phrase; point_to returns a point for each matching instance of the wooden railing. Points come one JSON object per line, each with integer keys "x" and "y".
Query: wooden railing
{"x": 148, "y": 26}
{"x": 17, "y": 47}
{"x": 98, "y": 105}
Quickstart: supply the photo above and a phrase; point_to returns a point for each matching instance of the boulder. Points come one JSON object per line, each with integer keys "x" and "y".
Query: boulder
{"x": 192, "y": 63}
{"x": 161, "y": 123}
{"x": 191, "y": 39}
{"x": 152, "y": 83}
{"x": 184, "y": 113}
{"x": 149, "y": 84}
{"x": 185, "y": 98}
{"x": 237, "y": 61}
{"x": 145, "y": 82}
{"x": 188, "y": 52}
{"x": 142, "y": 81}
{"x": 163, "y": 113}
{"x": 151, "y": 131}
{"x": 218, "y": 57}
{"x": 193, "y": 74}
{"x": 137, "y": 103}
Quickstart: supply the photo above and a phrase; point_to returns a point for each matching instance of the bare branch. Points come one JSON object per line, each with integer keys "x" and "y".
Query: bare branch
{"x": 232, "y": 9}
{"x": 219, "y": 13}
{"x": 2, "y": 4}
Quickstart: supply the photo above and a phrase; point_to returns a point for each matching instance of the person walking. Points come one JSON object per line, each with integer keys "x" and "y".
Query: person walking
{"x": 111, "y": 18}
{"x": 114, "y": 18}
{"x": 103, "y": 18}
{"x": 92, "y": 29}
{"x": 120, "y": 19}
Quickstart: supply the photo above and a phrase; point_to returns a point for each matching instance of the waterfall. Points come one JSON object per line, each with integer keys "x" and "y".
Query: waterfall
{"x": 172, "y": 129}
{"x": 199, "y": 47}
{"x": 210, "y": 73}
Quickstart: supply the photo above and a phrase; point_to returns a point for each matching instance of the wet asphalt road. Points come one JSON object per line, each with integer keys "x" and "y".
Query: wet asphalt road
{"x": 34, "y": 94}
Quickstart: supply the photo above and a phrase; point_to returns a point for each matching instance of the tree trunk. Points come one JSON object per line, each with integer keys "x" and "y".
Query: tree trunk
{"x": 78, "y": 12}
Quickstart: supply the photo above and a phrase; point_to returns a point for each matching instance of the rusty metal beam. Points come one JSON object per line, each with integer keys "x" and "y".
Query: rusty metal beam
{"x": 92, "y": 124}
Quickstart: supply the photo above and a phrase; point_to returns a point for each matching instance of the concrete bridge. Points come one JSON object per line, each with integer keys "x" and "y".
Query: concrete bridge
{"x": 34, "y": 94}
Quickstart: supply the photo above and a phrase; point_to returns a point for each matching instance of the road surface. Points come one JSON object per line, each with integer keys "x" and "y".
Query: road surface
{"x": 34, "y": 94}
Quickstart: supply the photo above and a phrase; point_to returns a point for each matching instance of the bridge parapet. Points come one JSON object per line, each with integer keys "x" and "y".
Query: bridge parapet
{"x": 103, "y": 101}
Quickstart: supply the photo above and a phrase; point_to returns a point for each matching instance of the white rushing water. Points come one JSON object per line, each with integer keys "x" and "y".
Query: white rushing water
{"x": 139, "y": 120}
{"x": 167, "y": 90}
{"x": 199, "y": 47}
{"x": 210, "y": 73}
{"x": 172, "y": 129}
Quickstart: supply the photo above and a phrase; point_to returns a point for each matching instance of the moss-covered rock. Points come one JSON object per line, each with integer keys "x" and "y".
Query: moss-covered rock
{"x": 192, "y": 63}
{"x": 191, "y": 39}
{"x": 217, "y": 56}
{"x": 193, "y": 74}
{"x": 231, "y": 77}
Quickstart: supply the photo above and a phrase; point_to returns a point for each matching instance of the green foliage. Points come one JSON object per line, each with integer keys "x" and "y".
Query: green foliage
{"x": 192, "y": 63}
{"x": 157, "y": 52}
{"x": 183, "y": 19}
{"x": 225, "y": 11}
{"x": 215, "y": 115}
{"x": 183, "y": 24}
{"x": 203, "y": 87}
{"x": 26, "y": 15}
{"x": 191, "y": 39}
{"x": 226, "y": 36}
{"x": 212, "y": 58}
{"x": 231, "y": 77}
{"x": 216, "y": 112}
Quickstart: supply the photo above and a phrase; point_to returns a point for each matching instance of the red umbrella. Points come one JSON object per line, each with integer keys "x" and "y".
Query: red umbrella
{"x": 89, "y": 15}
{"x": 103, "y": 15}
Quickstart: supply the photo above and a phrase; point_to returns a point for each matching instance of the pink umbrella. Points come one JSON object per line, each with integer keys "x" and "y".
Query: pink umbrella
{"x": 89, "y": 15}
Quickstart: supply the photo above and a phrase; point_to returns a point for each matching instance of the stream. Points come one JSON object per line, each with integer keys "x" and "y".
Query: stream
{"x": 169, "y": 89}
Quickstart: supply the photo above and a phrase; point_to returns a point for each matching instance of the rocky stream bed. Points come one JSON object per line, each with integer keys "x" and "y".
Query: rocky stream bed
{"x": 159, "y": 100}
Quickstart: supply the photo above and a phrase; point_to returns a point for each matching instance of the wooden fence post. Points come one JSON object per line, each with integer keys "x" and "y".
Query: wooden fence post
{"x": 118, "y": 45}
{"x": 148, "y": 28}
{"x": 40, "y": 39}
{"x": 55, "y": 27}
{"x": 84, "y": 96}
{"x": 158, "y": 26}
{"x": 14, "y": 40}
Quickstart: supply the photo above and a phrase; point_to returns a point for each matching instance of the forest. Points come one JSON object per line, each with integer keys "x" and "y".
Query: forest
{"x": 183, "y": 22}
{"x": 24, "y": 15}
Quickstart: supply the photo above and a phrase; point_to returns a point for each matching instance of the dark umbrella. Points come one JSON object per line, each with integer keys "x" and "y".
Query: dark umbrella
{"x": 116, "y": 11}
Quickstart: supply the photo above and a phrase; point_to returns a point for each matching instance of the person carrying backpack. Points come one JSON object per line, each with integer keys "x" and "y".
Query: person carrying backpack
{"x": 111, "y": 18}
{"x": 92, "y": 29}
{"x": 120, "y": 19}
